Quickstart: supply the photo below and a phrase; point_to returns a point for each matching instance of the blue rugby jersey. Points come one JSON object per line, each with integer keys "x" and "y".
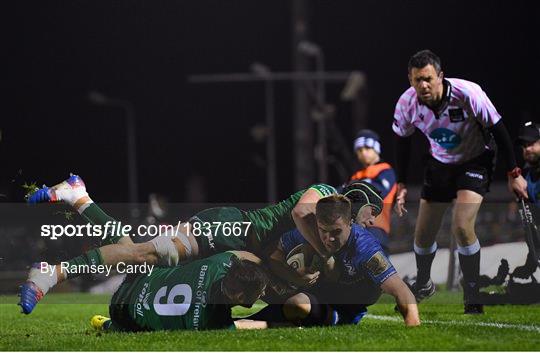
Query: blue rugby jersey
{"x": 360, "y": 258}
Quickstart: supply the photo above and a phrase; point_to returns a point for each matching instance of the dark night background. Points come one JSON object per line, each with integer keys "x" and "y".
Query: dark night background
{"x": 55, "y": 52}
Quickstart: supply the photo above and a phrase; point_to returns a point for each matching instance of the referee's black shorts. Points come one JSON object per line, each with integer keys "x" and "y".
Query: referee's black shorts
{"x": 442, "y": 181}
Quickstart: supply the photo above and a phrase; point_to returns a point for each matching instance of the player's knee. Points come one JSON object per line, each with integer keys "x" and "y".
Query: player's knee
{"x": 423, "y": 243}
{"x": 463, "y": 219}
{"x": 304, "y": 309}
{"x": 463, "y": 231}
{"x": 297, "y": 307}
{"x": 424, "y": 236}
{"x": 423, "y": 239}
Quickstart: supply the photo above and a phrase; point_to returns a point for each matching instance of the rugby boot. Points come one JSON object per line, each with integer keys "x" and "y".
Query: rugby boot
{"x": 422, "y": 292}
{"x": 100, "y": 322}
{"x": 473, "y": 309}
{"x": 69, "y": 191}
{"x": 30, "y": 295}
{"x": 41, "y": 278}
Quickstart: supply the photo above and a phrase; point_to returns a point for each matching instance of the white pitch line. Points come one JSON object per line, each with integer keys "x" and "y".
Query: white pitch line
{"x": 532, "y": 328}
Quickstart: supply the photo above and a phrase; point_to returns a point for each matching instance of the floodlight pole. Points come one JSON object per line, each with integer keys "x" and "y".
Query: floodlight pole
{"x": 269, "y": 78}
{"x": 131, "y": 145}
{"x": 319, "y": 112}
{"x": 271, "y": 167}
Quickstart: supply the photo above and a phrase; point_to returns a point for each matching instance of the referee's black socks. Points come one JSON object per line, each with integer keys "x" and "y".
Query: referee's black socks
{"x": 424, "y": 259}
{"x": 469, "y": 260}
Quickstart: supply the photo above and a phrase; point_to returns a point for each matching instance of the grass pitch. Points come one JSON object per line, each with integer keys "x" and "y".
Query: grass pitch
{"x": 65, "y": 327}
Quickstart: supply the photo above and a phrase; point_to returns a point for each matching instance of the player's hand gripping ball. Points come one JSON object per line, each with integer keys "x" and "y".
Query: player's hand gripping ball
{"x": 304, "y": 258}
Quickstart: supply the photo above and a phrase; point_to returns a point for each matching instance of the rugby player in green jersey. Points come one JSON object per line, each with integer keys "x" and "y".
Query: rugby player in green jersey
{"x": 195, "y": 296}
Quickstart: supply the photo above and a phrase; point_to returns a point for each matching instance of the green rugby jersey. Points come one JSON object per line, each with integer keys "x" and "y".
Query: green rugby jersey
{"x": 264, "y": 224}
{"x": 274, "y": 220}
{"x": 186, "y": 297}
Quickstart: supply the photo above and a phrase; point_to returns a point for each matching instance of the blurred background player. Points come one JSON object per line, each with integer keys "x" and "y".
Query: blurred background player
{"x": 377, "y": 172}
{"x": 462, "y": 127}
{"x": 529, "y": 139}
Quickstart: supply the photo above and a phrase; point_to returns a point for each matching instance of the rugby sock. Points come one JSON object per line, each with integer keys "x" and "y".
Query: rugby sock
{"x": 424, "y": 259}
{"x": 95, "y": 215}
{"x": 271, "y": 313}
{"x": 82, "y": 204}
{"x": 469, "y": 260}
{"x": 89, "y": 258}
{"x": 70, "y": 193}
{"x": 43, "y": 277}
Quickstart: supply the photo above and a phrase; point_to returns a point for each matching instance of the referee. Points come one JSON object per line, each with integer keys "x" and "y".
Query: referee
{"x": 464, "y": 129}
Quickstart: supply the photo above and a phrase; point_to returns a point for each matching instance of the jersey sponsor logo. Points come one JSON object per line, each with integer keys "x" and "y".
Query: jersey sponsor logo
{"x": 445, "y": 138}
{"x": 377, "y": 264}
{"x": 142, "y": 300}
{"x": 211, "y": 241}
{"x": 349, "y": 275}
{"x": 200, "y": 297}
{"x": 456, "y": 115}
{"x": 203, "y": 299}
{"x": 387, "y": 276}
{"x": 324, "y": 190}
{"x": 351, "y": 271}
{"x": 145, "y": 301}
{"x": 206, "y": 231}
{"x": 474, "y": 175}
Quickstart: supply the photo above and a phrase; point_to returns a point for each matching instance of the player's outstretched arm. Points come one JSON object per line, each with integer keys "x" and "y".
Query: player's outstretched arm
{"x": 303, "y": 215}
{"x": 404, "y": 299}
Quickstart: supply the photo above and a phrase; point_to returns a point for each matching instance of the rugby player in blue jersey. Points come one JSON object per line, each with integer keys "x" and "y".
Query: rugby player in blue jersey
{"x": 342, "y": 292}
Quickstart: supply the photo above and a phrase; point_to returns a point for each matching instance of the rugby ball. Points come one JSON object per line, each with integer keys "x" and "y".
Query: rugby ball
{"x": 296, "y": 258}
{"x": 302, "y": 256}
